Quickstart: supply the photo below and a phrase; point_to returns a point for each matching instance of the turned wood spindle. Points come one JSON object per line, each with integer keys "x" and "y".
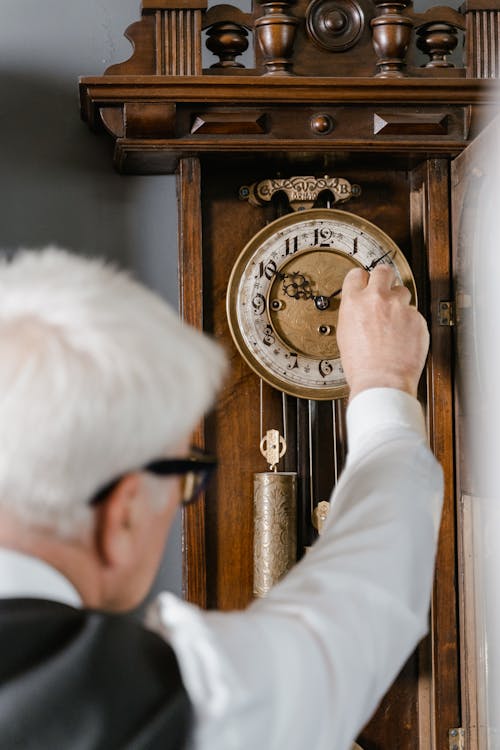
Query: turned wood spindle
{"x": 437, "y": 40}
{"x": 275, "y": 32}
{"x": 227, "y": 40}
{"x": 391, "y": 33}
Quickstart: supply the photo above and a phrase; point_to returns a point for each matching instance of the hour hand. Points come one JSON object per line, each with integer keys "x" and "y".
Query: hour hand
{"x": 322, "y": 301}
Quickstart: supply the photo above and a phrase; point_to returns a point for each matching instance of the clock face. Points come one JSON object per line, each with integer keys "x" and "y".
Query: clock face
{"x": 284, "y": 295}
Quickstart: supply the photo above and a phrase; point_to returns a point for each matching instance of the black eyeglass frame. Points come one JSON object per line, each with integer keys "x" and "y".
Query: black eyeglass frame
{"x": 199, "y": 464}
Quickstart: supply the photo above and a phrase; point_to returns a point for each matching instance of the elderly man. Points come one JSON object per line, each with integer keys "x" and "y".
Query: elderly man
{"x": 100, "y": 388}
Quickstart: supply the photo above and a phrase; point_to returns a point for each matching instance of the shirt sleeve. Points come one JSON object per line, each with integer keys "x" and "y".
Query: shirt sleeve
{"x": 314, "y": 658}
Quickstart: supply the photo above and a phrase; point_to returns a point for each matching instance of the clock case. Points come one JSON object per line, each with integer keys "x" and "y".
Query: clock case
{"x": 342, "y": 96}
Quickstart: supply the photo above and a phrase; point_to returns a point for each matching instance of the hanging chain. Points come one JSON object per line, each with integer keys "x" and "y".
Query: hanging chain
{"x": 285, "y": 419}
{"x": 334, "y": 440}
{"x": 311, "y": 458}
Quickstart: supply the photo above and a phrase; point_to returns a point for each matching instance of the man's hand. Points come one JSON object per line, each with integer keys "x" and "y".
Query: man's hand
{"x": 383, "y": 341}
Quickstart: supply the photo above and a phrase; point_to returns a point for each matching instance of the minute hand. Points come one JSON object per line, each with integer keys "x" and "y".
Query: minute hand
{"x": 377, "y": 261}
{"x": 367, "y": 268}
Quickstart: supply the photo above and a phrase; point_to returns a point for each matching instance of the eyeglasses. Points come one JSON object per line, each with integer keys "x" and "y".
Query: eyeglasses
{"x": 196, "y": 470}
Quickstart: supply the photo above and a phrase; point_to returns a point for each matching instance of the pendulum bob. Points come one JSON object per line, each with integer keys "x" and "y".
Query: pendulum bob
{"x": 275, "y": 527}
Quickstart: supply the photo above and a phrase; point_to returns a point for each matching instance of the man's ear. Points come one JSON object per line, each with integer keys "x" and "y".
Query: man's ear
{"x": 116, "y": 521}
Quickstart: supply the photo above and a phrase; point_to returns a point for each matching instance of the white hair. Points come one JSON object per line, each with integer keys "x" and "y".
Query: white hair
{"x": 97, "y": 377}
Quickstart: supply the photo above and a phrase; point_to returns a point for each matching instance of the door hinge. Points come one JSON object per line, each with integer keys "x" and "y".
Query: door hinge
{"x": 457, "y": 739}
{"x": 447, "y": 313}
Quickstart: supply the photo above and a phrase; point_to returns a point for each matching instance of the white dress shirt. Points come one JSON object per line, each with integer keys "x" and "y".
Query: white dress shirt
{"x": 304, "y": 668}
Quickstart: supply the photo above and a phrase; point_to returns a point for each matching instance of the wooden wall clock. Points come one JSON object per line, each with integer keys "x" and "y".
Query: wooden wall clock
{"x": 336, "y": 123}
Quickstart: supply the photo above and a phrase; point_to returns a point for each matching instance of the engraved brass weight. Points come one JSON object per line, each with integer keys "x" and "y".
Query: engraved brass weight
{"x": 275, "y": 527}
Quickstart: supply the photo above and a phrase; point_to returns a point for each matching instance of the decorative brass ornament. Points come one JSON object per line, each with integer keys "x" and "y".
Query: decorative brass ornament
{"x": 301, "y": 192}
{"x": 273, "y": 447}
{"x": 284, "y": 294}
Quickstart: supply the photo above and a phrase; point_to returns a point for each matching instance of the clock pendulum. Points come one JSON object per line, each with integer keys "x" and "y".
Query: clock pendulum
{"x": 275, "y": 510}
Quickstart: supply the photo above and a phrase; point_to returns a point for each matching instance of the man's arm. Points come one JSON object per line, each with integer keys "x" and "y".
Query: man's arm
{"x": 306, "y": 666}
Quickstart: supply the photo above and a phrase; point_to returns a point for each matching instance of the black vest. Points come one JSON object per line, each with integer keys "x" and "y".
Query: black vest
{"x": 81, "y": 680}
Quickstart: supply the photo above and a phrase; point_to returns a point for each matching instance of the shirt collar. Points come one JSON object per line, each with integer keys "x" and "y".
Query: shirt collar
{"x": 23, "y": 576}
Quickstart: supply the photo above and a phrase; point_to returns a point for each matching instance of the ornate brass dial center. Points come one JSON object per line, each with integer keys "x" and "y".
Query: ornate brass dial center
{"x": 306, "y": 322}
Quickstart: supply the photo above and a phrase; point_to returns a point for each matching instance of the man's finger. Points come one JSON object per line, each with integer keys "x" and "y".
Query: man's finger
{"x": 402, "y": 292}
{"x": 355, "y": 281}
{"x": 382, "y": 278}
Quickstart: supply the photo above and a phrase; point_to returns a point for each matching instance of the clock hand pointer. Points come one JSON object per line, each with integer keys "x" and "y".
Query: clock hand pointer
{"x": 377, "y": 261}
{"x": 322, "y": 301}
{"x": 367, "y": 268}
{"x": 334, "y": 294}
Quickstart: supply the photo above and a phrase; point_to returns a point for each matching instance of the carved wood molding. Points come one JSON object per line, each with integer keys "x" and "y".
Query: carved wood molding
{"x": 157, "y": 120}
{"x": 351, "y": 37}
{"x": 97, "y": 91}
{"x": 413, "y": 123}
{"x": 482, "y": 42}
{"x": 166, "y": 41}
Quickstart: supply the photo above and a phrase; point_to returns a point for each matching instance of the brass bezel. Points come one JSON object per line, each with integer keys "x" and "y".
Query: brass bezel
{"x": 246, "y": 255}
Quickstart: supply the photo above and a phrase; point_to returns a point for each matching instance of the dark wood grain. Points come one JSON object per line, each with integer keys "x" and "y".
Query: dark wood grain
{"x": 436, "y": 194}
{"x": 212, "y": 88}
{"x": 191, "y": 309}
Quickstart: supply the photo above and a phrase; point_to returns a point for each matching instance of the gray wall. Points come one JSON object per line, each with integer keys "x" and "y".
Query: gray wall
{"x": 57, "y": 184}
{"x": 56, "y": 179}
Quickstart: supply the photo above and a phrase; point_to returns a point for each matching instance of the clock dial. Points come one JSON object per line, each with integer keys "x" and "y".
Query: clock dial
{"x": 285, "y": 290}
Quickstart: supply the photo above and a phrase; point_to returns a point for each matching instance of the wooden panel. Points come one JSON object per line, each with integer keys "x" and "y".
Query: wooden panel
{"x": 149, "y": 118}
{"x": 227, "y": 224}
{"x": 395, "y": 724}
{"x": 434, "y": 178}
{"x": 191, "y": 309}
